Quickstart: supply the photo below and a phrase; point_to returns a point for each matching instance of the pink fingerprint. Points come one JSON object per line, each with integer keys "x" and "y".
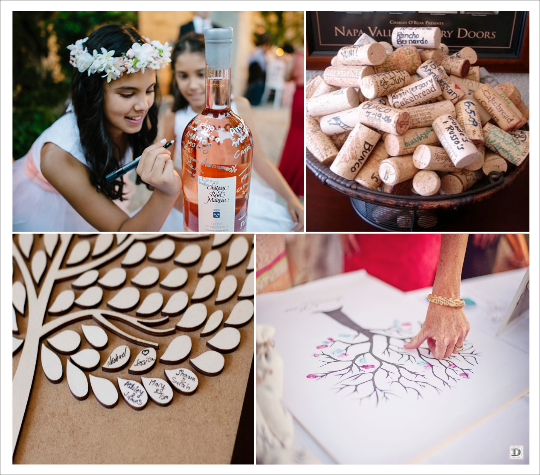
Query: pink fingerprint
{"x": 311, "y": 376}
{"x": 464, "y": 375}
{"x": 368, "y": 366}
{"x": 406, "y": 324}
{"x": 316, "y": 355}
{"x": 428, "y": 366}
{"x": 342, "y": 355}
{"x": 452, "y": 365}
{"x": 330, "y": 339}
{"x": 322, "y": 346}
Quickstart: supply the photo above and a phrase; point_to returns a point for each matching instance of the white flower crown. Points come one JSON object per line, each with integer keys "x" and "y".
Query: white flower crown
{"x": 151, "y": 55}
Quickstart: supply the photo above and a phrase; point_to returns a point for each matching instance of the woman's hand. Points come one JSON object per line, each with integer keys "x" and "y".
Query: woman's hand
{"x": 156, "y": 167}
{"x": 444, "y": 329}
{"x": 296, "y": 210}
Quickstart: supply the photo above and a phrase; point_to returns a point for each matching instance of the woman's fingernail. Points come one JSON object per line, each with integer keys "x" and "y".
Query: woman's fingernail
{"x": 163, "y": 140}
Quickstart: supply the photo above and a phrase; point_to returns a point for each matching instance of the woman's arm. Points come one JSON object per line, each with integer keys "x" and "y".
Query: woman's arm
{"x": 268, "y": 171}
{"x": 445, "y": 328}
{"x": 71, "y": 180}
{"x": 168, "y": 133}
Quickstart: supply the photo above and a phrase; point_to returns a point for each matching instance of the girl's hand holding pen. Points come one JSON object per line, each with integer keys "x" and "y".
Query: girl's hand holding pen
{"x": 156, "y": 167}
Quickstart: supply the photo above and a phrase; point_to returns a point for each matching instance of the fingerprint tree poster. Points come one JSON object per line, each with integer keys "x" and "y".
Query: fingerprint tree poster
{"x": 364, "y": 397}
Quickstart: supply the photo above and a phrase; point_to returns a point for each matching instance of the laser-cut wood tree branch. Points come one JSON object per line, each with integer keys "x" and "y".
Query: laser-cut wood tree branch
{"x": 373, "y": 364}
{"x": 67, "y": 260}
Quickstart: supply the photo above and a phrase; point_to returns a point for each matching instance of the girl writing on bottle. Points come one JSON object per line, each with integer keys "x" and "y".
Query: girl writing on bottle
{"x": 188, "y": 87}
{"x": 60, "y": 184}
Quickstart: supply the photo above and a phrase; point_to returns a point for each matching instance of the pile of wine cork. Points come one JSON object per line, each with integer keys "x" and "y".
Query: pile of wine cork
{"x": 410, "y": 118}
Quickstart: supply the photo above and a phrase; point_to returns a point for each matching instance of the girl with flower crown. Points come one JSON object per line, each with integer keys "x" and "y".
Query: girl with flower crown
{"x": 60, "y": 184}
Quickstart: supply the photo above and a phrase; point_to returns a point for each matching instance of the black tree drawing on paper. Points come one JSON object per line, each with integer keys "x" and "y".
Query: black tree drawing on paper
{"x": 373, "y": 364}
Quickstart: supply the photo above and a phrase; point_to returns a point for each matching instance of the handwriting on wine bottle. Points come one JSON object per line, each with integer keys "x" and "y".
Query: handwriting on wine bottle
{"x": 217, "y": 194}
{"x": 241, "y": 132}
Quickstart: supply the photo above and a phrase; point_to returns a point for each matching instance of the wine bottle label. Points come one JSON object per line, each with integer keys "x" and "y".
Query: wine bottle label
{"x": 216, "y": 203}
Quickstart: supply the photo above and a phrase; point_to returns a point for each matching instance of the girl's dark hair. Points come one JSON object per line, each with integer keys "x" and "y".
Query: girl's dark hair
{"x": 190, "y": 43}
{"x": 87, "y": 94}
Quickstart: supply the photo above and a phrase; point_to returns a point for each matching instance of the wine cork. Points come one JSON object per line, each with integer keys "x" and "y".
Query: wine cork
{"x": 503, "y": 143}
{"x": 450, "y": 91}
{"x": 397, "y": 145}
{"x": 424, "y": 115}
{"x": 479, "y": 162}
{"x": 466, "y": 53}
{"x": 332, "y": 102}
{"x": 318, "y": 143}
{"x": 387, "y": 47}
{"x": 339, "y": 122}
{"x": 406, "y": 59}
{"x": 381, "y": 100}
{"x": 364, "y": 39}
{"x": 435, "y": 55}
{"x": 469, "y": 119}
{"x": 474, "y": 74}
{"x": 444, "y": 49}
{"x": 355, "y": 151}
{"x": 426, "y": 183}
{"x": 403, "y": 188}
{"x": 455, "y": 183}
{"x": 428, "y": 157}
{"x": 384, "y": 118}
{"x": 423, "y": 37}
{"x": 334, "y": 61}
{"x": 323, "y": 88}
{"x": 312, "y": 86}
{"x": 339, "y": 139}
{"x": 514, "y": 95}
{"x": 484, "y": 116}
{"x": 494, "y": 163}
{"x": 456, "y": 66}
{"x": 496, "y": 108}
{"x": 458, "y": 146}
{"x": 397, "y": 169}
{"x": 343, "y": 76}
{"x": 365, "y": 55}
{"x": 378, "y": 85}
{"x": 368, "y": 175}
{"x": 514, "y": 109}
{"x": 521, "y": 136}
{"x": 415, "y": 94}
{"x": 465, "y": 83}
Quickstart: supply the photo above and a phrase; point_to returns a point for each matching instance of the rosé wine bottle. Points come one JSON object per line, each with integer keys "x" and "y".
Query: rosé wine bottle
{"x": 217, "y": 149}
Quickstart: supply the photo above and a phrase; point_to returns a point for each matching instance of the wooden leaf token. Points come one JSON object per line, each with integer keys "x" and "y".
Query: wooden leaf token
{"x": 17, "y": 344}
{"x": 205, "y": 288}
{"x": 182, "y": 380}
{"x": 227, "y": 288}
{"x": 189, "y": 255}
{"x": 87, "y": 360}
{"x": 86, "y": 280}
{"x": 120, "y": 238}
{"x": 225, "y": 341}
{"x": 135, "y": 255}
{"x": 158, "y": 390}
{"x": 151, "y": 305}
{"x": 146, "y": 278}
{"x": 117, "y": 360}
{"x": 211, "y": 263}
{"x": 163, "y": 251}
{"x": 50, "y": 241}
{"x": 176, "y": 305}
{"x": 251, "y": 263}
{"x": 66, "y": 342}
{"x": 19, "y": 296}
{"x": 14, "y": 328}
{"x": 176, "y": 279}
{"x": 193, "y": 319}
{"x": 125, "y": 300}
{"x": 133, "y": 393}
{"x": 51, "y": 364}
{"x": 237, "y": 252}
{"x": 241, "y": 314}
{"x": 177, "y": 351}
{"x": 213, "y": 323}
{"x": 114, "y": 279}
{"x": 144, "y": 362}
{"x": 105, "y": 391}
{"x": 79, "y": 253}
{"x": 95, "y": 336}
{"x": 39, "y": 264}
{"x": 103, "y": 243}
{"x": 90, "y": 298}
{"x": 248, "y": 289}
{"x": 220, "y": 239}
{"x": 63, "y": 303}
{"x": 77, "y": 382}
{"x": 25, "y": 243}
{"x": 210, "y": 363}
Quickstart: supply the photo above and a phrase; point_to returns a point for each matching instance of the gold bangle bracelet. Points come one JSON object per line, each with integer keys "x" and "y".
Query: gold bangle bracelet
{"x": 446, "y": 301}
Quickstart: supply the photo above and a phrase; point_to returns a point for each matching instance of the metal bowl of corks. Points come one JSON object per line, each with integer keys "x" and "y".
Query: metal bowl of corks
{"x": 413, "y": 176}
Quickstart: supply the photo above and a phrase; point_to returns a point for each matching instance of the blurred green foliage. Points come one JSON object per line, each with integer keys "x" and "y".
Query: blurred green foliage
{"x": 41, "y": 78}
{"x": 285, "y": 27}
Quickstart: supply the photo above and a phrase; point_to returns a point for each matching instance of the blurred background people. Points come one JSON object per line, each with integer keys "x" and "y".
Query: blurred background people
{"x": 257, "y": 69}
{"x": 201, "y": 21}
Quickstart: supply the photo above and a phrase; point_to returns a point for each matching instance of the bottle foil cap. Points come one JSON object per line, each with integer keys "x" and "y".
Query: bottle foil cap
{"x": 218, "y": 47}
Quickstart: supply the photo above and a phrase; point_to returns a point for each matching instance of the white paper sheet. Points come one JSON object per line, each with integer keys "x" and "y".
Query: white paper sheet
{"x": 394, "y": 425}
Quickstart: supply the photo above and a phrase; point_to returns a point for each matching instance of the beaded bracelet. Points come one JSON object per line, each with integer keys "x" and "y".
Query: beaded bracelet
{"x": 446, "y": 301}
